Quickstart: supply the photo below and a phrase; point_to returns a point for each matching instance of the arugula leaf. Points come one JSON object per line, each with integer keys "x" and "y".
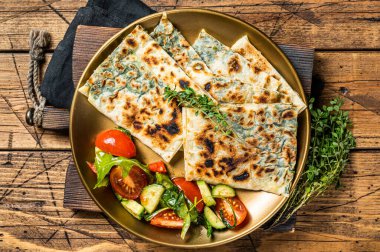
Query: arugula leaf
{"x": 193, "y": 210}
{"x": 202, "y": 220}
{"x": 103, "y": 167}
{"x": 104, "y": 182}
{"x": 186, "y": 226}
{"x": 180, "y": 206}
{"x": 175, "y": 199}
{"x": 104, "y": 163}
{"x": 210, "y": 230}
{"x": 169, "y": 197}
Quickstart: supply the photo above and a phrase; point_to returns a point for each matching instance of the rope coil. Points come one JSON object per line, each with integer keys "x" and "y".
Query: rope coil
{"x": 38, "y": 42}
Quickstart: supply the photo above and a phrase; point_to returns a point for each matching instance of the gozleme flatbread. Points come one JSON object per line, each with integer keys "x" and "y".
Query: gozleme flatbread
{"x": 224, "y": 61}
{"x": 262, "y": 65}
{"x": 265, "y": 162}
{"x": 153, "y": 59}
{"x": 128, "y": 87}
{"x": 272, "y": 128}
{"x": 222, "y": 88}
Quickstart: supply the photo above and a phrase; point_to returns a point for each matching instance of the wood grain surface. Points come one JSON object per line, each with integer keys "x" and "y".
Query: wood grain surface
{"x": 32, "y": 215}
{"x": 322, "y": 24}
{"x": 33, "y": 162}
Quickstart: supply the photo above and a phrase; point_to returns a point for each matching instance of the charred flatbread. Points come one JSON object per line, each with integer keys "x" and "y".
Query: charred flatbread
{"x": 264, "y": 162}
{"x": 128, "y": 87}
{"x": 224, "y": 61}
{"x": 224, "y": 89}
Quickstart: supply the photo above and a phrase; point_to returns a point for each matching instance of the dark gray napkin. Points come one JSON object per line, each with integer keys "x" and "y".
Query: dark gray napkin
{"x": 57, "y": 85}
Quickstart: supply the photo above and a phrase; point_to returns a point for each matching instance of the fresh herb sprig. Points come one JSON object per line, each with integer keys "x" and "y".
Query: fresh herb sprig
{"x": 331, "y": 142}
{"x": 202, "y": 104}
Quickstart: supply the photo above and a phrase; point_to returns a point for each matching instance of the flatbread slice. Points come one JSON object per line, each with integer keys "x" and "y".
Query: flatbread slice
{"x": 271, "y": 128}
{"x": 224, "y": 61}
{"x": 258, "y": 62}
{"x": 265, "y": 162}
{"x": 154, "y": 59}
{"x": 222, "y": 88}
{"x": 128, "y": 88}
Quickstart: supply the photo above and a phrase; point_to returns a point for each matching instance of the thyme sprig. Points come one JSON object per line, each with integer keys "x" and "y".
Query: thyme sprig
{"x": 202, "y": 104}
{"x": 331, "y": 142}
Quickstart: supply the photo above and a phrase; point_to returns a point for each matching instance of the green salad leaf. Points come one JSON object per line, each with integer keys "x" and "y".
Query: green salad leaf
{"x": 174, "y": 199}
{"x": 206, "y": 224}
{"x": 170, "y": 197}
{"x": 105, "y": 161}
{"x": 103, "y": 167}
{"x": 186, "y": 225}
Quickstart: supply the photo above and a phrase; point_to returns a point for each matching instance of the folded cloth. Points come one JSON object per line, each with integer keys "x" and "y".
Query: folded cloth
{"x": 57, "y": 86}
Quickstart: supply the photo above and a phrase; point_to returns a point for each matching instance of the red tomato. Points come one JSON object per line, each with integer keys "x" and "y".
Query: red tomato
{"x": 238, "y": 208}
{"x": 157, "y": 167}
{"x": 116, "y": 143}
{"x": 167, "y": 219}
{"x": 92, "y": 167}
{"x": 191, "y": 191}
{"x": 131, "y": 186}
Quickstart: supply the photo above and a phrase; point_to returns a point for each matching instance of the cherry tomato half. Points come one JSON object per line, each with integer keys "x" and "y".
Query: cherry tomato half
{"x": 131, "y": 186}
{"x": 238, "y": 207}
{"x": 191, "y": 191}
{"x": 167, "y": 219}
{"x": 116, "y": 143}
{"x": 92, "y": 167}
{"x": 157, "y": 167}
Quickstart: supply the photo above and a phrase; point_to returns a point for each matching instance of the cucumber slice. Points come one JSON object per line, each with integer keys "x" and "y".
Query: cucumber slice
{"x": 150, "y": 197}
{"x": 164, "y": 180}
{"x": 206, "y": 193}
{"x": 133, "y": 208}
{"x": 213, "y": 219}
{"x": 223, "y": 191}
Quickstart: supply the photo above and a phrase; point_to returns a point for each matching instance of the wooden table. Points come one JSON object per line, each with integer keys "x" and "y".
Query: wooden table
{"x": 33, "y": 162}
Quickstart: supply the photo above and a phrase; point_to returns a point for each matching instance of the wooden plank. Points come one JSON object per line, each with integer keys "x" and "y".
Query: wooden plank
{"x": 14, "y": 103}
{"x": 15, "y": 6}
{"x": 354, "y": 74}
{"x": 32, "y": 215}
{"x": 322, "y": 24}
{"x": 75, "y": 194}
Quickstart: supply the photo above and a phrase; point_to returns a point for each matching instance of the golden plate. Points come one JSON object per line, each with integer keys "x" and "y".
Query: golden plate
{"x": 86, "y": 122}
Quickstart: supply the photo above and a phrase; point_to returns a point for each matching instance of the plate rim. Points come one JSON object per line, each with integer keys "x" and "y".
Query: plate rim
{"x": 303, "y": 156}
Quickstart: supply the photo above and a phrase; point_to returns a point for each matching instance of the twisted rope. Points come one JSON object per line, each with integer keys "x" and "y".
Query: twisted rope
{"x": 38, "y": 41}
